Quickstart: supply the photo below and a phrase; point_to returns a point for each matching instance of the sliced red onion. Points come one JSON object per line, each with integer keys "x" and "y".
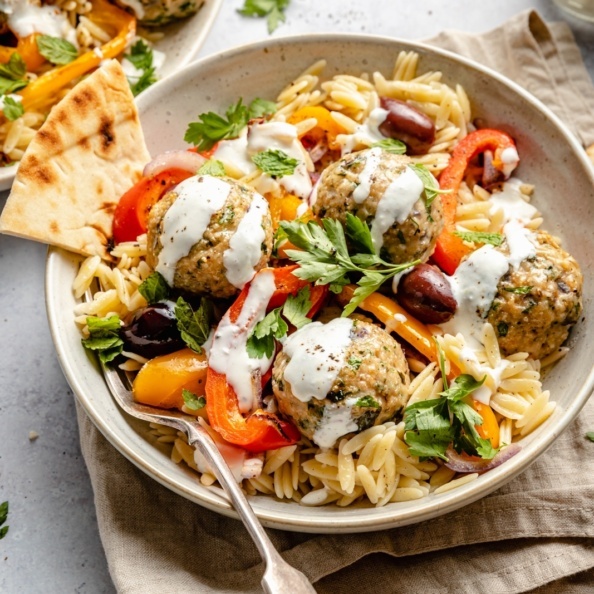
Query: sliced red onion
{"x": 465, "y": 464}
{"x": 186, "y": 160}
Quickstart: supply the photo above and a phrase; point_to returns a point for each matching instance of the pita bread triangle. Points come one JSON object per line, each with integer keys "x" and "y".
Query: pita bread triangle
{"x": 88, "y": 152}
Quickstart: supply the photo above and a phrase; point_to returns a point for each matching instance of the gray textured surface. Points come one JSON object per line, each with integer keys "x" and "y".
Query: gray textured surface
{"x": 53, "y": 545}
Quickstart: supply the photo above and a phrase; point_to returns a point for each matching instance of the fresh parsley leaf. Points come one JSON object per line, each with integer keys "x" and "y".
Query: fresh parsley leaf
{"x": 104, "y": 337}
{"x": 590, "y": 435}
{"x": 524, "y": 290}
{"x": 324, "y": 257}
{"x": 12, "y": 74}
{"x": 391, "y": 145}
{"x": 261, "y": 341}
{"x": 261, "y": 108}
{"x": 429, "y": 182}
{"x": 273, "y": 9}
{"x": 212, "y": 167}
{"x": 154, "y": 288}
{"x": 296, "y": 308}
{"x": 3, "y": 518}
{"x": 15, "y": 69}
{"x": 461, "y": 387}
{"x": 194, "y": 326}
{"x": 368, "y": 402}
{"x": 147, "y": 78}
{"x": 211, "y": 127}
{"x": 141, "y": 55}
{"x": 192, "y": 401}
{"x": 275, "y": 163}
{"x": 56, "y": 50}
{"x": 12, "y": 109}
{"x": 480, "y": 237}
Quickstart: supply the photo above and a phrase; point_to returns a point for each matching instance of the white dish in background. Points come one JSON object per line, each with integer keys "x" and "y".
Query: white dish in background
{"x": 180, "y": 44}
{"x": 551, "y": 159}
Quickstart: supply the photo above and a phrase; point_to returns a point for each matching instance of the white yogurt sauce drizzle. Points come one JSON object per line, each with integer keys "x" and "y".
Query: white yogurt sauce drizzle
{"x": 245, "y": 247}
{"x": 24, "y": 19}
{"x": 236, "y": 155}
{"x": 519, "y": 242}
{"x": 317, "y": 353}
{"x": 372, "y": 162}
{"x": 396, "y": 204}
{"x": 228, "y": 352}
{"x": 365, "y": 134}
{"x": 511, "y": 202}
{"x": 184, "y": 224}
{"x": 337, "y": 420}
{"x": 510, "y": 160}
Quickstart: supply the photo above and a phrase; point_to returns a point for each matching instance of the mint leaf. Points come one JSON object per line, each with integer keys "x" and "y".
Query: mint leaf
{"x": 261, "y": 108}
{"x": 480, "y": 237}
{"x": 212, "y": 167}
{"x": 154, "y": 288}
{"x": 429, "y": 182}
{"x": 462, "y": 386}
{"x": 275, "y": 163}
{"x": 104, "y": 337}
{"x": 192, "y": 401}
{"x": 391, "y": 145}
{"x": 56, "y": 50}
{"x": 194, "y": 326}
{"x": 12, "y": 109}
{"x": 15, "y": 68}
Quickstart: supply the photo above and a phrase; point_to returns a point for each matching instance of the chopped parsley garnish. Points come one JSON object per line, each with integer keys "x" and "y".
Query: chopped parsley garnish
{"x": 3, "y": 518}
{"x": 154, "y": 288}
{"x": 261, "y": 341}
{"x": 432, "y": 425}
{"x": 367, "y": 402}
{"x": 104, "y": 337}
{"x": 354, "y": 363}
{"x": 56, "y": 50}
{"x": 480, "y": 237}
{"x": 502, "y": 329}
{"x": 324, "y": 256}
{"x": 391, "y": 145}
{"x": 272, "y": 9}
{"x": 12, "y": 74}
{"x": 524, "y": 290}
{"x": 194, "y": 326}
{"x": 192, "y": 401}
{"x": 212, "y": 127}
{"x": 12, "y": 109}
{"x": 141, "y": 57}
{"x": 212, "y": 167}
{"x": 275, "y": 163}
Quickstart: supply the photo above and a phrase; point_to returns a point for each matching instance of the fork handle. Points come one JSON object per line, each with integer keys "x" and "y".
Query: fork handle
{"x": 279, "y": 576}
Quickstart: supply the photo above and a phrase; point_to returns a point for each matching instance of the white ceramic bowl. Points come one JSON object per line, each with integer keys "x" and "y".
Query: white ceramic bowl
{"x": 551, "y": 159}
{"x": 180, "y": 44}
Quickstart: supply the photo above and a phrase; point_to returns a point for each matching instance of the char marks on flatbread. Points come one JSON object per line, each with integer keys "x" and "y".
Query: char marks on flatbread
{"x": 88, "y": 152}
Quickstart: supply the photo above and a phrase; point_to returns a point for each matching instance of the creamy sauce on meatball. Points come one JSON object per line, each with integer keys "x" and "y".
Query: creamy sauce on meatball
{"x": 396, "y": 204}
{"x": 336, "y": 421}
{"x": 228, "y": 353}
{"x": 365, "y": 134}
{"x": 317, "y": 354}
{"x": 245, "y": 247}
{"x": 198, "y": 198}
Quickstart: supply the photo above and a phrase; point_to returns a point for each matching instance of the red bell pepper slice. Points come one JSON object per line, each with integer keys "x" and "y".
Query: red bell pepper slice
{"x": 450, "y": 249}
{"x": 261, "y": 430}
{"x": 131, "y": 213}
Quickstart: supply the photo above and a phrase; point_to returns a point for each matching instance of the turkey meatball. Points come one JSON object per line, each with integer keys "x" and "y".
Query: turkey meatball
{"x": 209, "y": 236}
{"x": 339, "y": 378}
{"x": 381, "y": 189}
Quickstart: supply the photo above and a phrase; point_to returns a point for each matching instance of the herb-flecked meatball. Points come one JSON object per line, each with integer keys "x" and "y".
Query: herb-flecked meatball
{"x": 155, "y": 13}
{"x": 537, "y": 303}
{"x": 339, "y": 378}
{"x": 209, "y": 236}
{"x": 381, "y": 189}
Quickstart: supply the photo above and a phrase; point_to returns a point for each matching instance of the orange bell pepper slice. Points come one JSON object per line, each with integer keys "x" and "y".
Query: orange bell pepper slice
{"x": 26, "y": 48}
{"x": 490, "y": 427}
{"x": 42, "y": 92}
{"x": 450, "y": 249}
{"x": 326, "y": 124}
{"x": 261, "y": 430}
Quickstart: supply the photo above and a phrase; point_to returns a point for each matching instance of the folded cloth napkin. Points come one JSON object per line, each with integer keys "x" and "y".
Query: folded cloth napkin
{"x": 536, "y": 533}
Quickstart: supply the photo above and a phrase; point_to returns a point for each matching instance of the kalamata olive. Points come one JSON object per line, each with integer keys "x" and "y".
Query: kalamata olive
{"x": 426, "y": 294}
{"x": 405, "y": 122}
{"x": 153, "y": 331}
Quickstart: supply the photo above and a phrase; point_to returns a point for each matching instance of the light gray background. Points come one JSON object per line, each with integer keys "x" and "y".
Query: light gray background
{"x": 53, "y": 546}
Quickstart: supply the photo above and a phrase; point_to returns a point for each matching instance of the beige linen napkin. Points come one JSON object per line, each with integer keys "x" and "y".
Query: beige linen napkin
{"x": 536, "y": 532}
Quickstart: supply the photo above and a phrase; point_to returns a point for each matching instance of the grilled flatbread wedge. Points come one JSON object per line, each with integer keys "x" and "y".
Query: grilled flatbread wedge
{"x": 88, "y": 152}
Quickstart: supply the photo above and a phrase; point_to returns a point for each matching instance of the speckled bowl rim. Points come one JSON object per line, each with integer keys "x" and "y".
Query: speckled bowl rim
{"x": 90, "y": 390}
{"x": 204, "y": 20}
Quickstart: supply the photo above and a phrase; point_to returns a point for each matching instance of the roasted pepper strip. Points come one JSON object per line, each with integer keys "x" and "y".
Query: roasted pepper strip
{"x": 326, "y": 124}
{"x": 490, "y": 427}
{"x": 261, "y": 430}
{"x": 43, "y": 91}
{"x": 450, "y": 249}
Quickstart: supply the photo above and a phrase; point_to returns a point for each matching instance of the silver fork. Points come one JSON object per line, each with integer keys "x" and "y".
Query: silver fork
{"x": 279, "y": 577}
